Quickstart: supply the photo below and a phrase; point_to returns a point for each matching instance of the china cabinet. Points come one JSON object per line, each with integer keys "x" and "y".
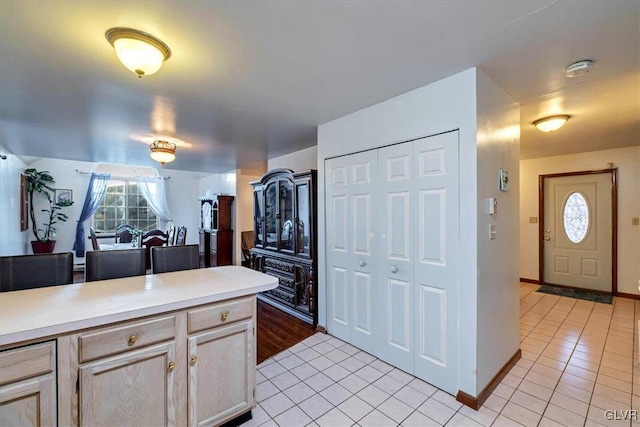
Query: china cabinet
{"x": 285, "y": 239}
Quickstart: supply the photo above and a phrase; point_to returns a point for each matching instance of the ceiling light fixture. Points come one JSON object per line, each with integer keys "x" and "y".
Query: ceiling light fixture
{"x": 551, "y": 123}
{"x": 579, "y": 68}
{"x": 140, "y": 52}
{"x": 163, "y": 151}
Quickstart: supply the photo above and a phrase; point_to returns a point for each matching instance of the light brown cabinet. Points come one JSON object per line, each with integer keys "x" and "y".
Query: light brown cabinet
{"x": 28, "y": 386}
{"x": 192, "y": 367}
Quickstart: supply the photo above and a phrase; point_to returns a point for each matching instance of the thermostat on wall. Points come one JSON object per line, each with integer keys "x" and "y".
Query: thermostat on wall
{"x": 504, "y": 180}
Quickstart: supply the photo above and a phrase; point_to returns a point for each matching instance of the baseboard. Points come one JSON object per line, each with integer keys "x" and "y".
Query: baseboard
{"x": 476, "y": 402}
{"x": 625, "y": 295}
{"x": 321, "y": 329}
{"x": 524, "y": 280}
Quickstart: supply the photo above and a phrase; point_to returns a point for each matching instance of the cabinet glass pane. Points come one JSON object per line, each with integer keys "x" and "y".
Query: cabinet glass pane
{"x": 286, "y": 215}
{"x": 303, "y": 229}
{"x": 271, "y": 214}
{"x": 258, "y": 209}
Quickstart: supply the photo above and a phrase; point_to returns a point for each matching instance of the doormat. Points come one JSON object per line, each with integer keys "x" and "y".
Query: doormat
{"x": 576, "y": 293}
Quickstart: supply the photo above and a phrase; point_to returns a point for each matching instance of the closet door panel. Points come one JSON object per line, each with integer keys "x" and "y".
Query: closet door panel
{"x": 394, "y": 195}
{"x": 436, "y": 246}
{"x": 362, "y": 178}
{"x": 339, "y": 310}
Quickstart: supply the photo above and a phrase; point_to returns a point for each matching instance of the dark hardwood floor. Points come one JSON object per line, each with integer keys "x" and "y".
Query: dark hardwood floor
{"x": 276, "y": 332}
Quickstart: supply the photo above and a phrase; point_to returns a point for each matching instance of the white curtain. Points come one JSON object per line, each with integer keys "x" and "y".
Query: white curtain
{"x": 154, "y": 192}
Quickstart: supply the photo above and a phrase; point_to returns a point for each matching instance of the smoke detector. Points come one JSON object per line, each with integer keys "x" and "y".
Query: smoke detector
{"x": 579, "y": 68}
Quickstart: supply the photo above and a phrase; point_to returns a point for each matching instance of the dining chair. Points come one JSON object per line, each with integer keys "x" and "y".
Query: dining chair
{"x": 103, "y": 265}
{"x": 124, "y": 233}
{"x": 35, "y": 271}
{"x": 174, "y": 258}
{"x": 181, "y": 236}
{"x": 150, "y": 239}
{"x": 246, "y": 241}
{"x": 171, "y": 233}
{"x": 94, "y": 239}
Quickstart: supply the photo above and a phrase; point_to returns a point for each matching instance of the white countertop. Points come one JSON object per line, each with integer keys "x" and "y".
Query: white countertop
{"x": 43, "y": 312}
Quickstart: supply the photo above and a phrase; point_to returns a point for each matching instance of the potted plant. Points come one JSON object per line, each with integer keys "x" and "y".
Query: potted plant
{"x": 40, "y": 182}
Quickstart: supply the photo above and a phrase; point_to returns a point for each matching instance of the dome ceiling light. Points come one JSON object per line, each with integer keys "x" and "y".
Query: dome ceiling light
{"x": 140, "y": 52}
{"x": 579, "y": 68}
{"x": 551, "y": 123}
{"x": 163, "y": 151}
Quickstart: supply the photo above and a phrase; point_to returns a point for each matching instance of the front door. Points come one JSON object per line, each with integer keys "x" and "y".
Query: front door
{"x": 577, "y": 231}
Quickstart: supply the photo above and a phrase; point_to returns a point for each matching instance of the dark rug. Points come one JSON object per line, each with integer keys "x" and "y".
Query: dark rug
{"x": 575, "y": 293}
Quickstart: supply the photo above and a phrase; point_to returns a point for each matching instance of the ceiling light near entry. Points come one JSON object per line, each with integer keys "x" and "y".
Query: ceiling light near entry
{"x": 551, "y": 123}
{"x": 140, "y": 52}
{"x": 163, "y": 151}
{"x": 579, "y": 68}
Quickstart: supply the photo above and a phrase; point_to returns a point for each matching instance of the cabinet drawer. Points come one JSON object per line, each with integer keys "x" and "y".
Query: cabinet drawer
{"x": 27, "y": 362}
{"x": 219, "y": 314}
{"x": 94, "y": 345}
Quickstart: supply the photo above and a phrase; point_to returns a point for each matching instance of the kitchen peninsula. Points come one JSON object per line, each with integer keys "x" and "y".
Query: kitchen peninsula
{"x": 164, "y": 349}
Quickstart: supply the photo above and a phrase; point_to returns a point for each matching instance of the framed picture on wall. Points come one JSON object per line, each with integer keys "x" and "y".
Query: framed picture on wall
{"x": 62, "y": 196}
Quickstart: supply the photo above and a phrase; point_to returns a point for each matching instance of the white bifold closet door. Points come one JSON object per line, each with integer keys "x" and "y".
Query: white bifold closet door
{"x": 392, "y": 242}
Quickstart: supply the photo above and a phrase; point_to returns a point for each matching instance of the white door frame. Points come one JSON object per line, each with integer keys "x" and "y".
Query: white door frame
{"x": 614, "y": 221}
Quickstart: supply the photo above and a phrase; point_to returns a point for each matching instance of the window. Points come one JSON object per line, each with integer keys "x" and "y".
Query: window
{"x": 575, "y": 215}
{"x": 123, "y": 204}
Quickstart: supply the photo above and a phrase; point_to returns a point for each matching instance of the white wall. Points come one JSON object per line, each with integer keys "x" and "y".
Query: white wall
{"x": 12, "y": 240}
{"x": 442, "y": 106}
{"x": 627, "y": 160}
{"x": 297, "y": 161}
{"x": 498, "y": 279}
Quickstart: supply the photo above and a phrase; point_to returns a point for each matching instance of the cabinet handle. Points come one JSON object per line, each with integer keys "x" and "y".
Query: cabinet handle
{"x": 362, "y": 263}
{"x": 547, "y": 238}
{"x": 223, "y": 316}
{"x": 394, "y": 269}
{"x": 132, "y": 339}
{"x": 194, "y": 359}
{"x": 171, "y": 366}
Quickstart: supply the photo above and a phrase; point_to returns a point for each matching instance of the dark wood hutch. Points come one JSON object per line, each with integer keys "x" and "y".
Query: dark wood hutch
{"x": 285, "y": 233}
{"x": 216, "y": 235}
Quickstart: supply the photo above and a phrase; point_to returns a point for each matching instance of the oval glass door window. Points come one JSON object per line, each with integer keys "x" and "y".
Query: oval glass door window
{"x": 575, "y": 217}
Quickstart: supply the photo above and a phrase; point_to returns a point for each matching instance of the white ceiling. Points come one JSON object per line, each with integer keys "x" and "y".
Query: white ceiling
{"x": 251, "y": 80}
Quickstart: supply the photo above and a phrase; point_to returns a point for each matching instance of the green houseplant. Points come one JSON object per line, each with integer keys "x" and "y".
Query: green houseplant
{"x": 40, "y": 182}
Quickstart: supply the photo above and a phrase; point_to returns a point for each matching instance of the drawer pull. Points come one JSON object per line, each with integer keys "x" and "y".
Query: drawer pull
{"x": 171, "y": 366}
{"x": 194, "y": 359}
{"x": 223, "y": 316}
{"x": 132, "y": 339}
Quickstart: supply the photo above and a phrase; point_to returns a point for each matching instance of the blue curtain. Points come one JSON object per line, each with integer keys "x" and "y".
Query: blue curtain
{"x": 95, "y": 193}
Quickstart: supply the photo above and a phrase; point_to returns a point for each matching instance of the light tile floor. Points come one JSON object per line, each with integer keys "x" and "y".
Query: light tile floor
{"x": 579, "y": 360}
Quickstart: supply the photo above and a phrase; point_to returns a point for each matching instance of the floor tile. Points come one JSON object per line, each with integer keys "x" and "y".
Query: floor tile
{"x": 388, "y": 384}
{"x": 395, "y": 409}
{"x": 417, "y": 419}
{"x": 483, "y": 416}
{"x": 522, "y": 415}
{"x": 355, "y": 408}
{"x": 436, "y": 411}
{"x": 276, "y": 404}
{"x": 528, "y": 401}
{"x": 503, "y": 421}
{"x": 336, "y": 372}
{"x": 315, "y": 406}
{"x": 564, "y": 416}
{"x": 265, "y": 389}
{"x": 319, "y": 382}
{"x": 373, "y": 395}
{"x": 304, "y": 371}
{"x": 334, "y": 418}
{"x": 272, "y": 370}
{"x": 336, "y": 394}
{"x": 369, "y": 374}
{"x": 459, "y": 420}
{"x": 299, "y": 392}
{"x": 353, "y": 383}
{"x": 285, "y": 380}
{"x": 376, "y": 418}
{"x": 293, "y": 417}
{"x": 411, "y": 396}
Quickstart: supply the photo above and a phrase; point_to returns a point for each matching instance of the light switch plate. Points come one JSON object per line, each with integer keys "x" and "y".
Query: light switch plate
{"x": 533, "y": 220}
{"x": 635, "y": 221}
{"x": 504, "y": 180}
{"x": 492, "y": 231}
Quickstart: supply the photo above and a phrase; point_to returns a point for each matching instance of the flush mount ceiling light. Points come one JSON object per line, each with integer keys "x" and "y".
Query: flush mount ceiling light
{"x": 579, "y": 68}
{"x": 551, "y": 123}
{"x": 140, "y": 52}
{"x": 163, "y": 151}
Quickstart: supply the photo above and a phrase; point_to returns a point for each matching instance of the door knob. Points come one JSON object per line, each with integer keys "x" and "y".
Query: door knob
{"x": 362, "y": 263}
{"x": 547, "y": 238}
{"x": 394, "y": 269}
